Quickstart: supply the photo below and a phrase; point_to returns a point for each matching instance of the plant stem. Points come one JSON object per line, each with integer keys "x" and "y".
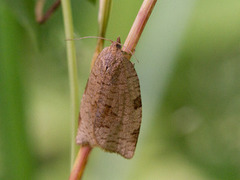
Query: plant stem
{"x": 138, "y": 25}
{"x": 103, "y": 16}
{"x": 72, "y": 70}
{"x": 40, "y": 18}
{"x": 80, "y": 163}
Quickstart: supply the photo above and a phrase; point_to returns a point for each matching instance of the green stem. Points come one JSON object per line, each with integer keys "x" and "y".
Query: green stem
{"x": 72, "y": 69}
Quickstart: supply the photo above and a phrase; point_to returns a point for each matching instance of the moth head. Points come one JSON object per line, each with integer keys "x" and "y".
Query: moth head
{"x": 116, "y": 44}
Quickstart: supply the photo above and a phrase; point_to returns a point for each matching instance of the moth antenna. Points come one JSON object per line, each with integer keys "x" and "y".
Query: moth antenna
{"x": 89, "y": 37}
{"x": 97, "y": 37}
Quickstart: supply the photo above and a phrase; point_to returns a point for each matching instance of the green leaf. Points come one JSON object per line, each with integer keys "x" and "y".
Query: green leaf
{"x": 16, "y": 152}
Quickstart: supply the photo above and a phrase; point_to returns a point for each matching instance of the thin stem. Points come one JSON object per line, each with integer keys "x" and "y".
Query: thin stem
{"x": 40, "y": 18}
{"x": 138, "y": 26}
{"x": 80, "y": 163}
{"x": 103, "y": 16}
{"x": 72, "y": 70}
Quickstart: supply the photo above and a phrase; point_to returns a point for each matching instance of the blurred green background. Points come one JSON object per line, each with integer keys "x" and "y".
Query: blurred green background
{"x": 189, "y": 69}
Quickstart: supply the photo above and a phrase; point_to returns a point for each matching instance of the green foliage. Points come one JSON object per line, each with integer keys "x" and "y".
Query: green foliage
{"x": 16, "y": 156}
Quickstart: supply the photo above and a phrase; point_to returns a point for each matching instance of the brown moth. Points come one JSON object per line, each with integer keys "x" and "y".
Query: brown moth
{"x": 111, "y": 107}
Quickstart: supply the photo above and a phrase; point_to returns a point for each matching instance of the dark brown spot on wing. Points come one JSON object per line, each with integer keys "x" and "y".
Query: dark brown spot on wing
{"x": 136, "y": 131}
{"x": 106, "y": 112}
{"x": 107, "y": 108}
{"x": 137, "y": 102}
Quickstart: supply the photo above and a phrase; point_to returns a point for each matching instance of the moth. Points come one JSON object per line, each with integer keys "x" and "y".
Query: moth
{"x": 111, "y": 107}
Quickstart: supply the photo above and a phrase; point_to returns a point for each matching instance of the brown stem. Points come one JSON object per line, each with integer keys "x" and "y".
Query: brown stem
{"x": 138, "y": 26}
{"x": 80, "y": 163}
{"x": 40, "y": 18}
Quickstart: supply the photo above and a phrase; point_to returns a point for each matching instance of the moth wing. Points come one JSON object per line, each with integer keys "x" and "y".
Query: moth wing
{"x": 88, "y": 109}
{"x": 119, "y": 114}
